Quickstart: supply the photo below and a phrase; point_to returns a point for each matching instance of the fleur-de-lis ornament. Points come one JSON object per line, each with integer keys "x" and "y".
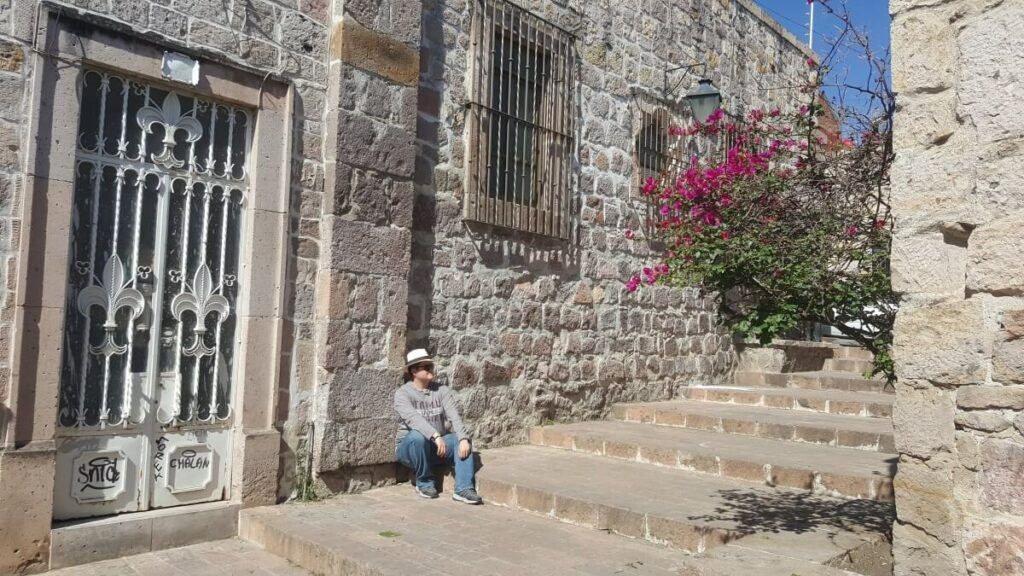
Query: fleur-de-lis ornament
{"x": 202, "y": 301}
{"x": 111, "y": 293}
{"x": 169, "y": 115}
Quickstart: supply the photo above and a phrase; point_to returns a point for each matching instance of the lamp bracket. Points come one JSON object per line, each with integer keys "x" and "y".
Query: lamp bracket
{"x": 668, "y": 93}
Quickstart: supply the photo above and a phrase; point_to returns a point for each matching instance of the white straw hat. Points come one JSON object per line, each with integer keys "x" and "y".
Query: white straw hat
{"x": 416, "y": 356}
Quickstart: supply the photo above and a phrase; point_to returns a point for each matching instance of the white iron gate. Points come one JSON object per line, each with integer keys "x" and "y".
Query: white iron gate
{"x": 150, "y": 328}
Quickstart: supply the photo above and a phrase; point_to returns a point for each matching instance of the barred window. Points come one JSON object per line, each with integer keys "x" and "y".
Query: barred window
{"x": 658, "y": 154}
{"x": 521, "y": 121}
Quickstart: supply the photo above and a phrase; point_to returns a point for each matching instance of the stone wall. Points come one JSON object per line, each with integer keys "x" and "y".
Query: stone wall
{"x": 958, "y": 200}
{"x": 530, "y": 329}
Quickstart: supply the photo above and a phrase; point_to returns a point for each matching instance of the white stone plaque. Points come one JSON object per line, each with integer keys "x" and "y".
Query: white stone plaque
{"x": 98, "y": 476}
{"x": 180, "y": 68}
{"x": 189, "y": 467}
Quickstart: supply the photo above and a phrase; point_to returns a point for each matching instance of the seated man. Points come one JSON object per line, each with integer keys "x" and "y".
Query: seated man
{"x": 423, "y": 408}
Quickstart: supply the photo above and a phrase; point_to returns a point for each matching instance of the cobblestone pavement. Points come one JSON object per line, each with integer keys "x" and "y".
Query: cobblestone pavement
{"x": 221, "y": 558}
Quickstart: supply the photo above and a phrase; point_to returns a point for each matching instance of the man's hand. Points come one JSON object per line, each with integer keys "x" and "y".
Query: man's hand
{"x": 442, "y": 447}
{"x": 463, "y": 449}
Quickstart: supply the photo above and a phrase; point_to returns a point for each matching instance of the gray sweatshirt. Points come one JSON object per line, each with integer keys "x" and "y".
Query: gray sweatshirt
{"x": 426, "y": 411}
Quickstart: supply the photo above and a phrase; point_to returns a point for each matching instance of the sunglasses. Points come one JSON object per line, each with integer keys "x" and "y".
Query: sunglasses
{"x": 427, "y": 367}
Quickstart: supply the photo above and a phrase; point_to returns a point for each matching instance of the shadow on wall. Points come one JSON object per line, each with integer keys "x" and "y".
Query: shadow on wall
{"x": 495, "y": 248}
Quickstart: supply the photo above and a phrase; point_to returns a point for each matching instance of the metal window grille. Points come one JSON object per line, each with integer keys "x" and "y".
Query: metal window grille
{"x": 521, "y": 122}
{"x": 659, "y": 155}
{"x": 153, "y": 258}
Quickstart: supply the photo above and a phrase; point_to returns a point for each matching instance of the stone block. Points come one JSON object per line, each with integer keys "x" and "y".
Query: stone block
{"x": 12, "y": 56}
{"x": 679, "y": 535}
{"x": 984, "y": 420}
{"x": 303, "y": 35}
{"x": 355, "y": 443}
{"x": 621, "y": 521}
{"x": 74, "y": 545}
{"x": 1008, "y": 361}
{"x": 925, "y": 121}
{"x": 26, "y": 480}
{"x": 535, "y": 500}
{"x": 942, "y": 342}
{"x": 933, "y": 186}
{"x": 369, "y": 143}
{"x": 925, "y": 498}
{"x": 131, "y": 11}
{"x": 355, "y": 394}
{"x": 988, "y": 46}
{"x": 339, "y": 345}
{"x": 791, "y": 477}
{"x": 1002, "y": 475}
{"x": 375, "y": 52}
{"x": 332, "y": 294}
{"x": 926, "y": 263}
{"x": 995, "y": 549}
{"x": 360, "y": 247}
{"x": 994, "y": 263}
{"x": 181, "y": 526}
{"x": 578, "y": 512}
{"x": 923, "y": 420}
{"x": 979, "y": 397}
{"x": 916, "y": 553}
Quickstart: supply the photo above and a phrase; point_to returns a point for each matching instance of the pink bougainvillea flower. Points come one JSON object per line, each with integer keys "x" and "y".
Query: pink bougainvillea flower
{"x": 726, "y": 235}
{"x": 633, "y": 284}
{"x": 629, "y": 234}
{"x": 811, "y": 62}
{"x": 804, "y": 110}
{"x": 879, "y": 224}
{"x": 852, "y": 231}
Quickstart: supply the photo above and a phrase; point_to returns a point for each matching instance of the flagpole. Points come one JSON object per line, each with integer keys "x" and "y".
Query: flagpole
{"x": 810, "y": 29}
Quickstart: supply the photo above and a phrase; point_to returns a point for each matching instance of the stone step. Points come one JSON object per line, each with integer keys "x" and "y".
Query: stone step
{"x": 229, "y": 557}
{"x": 852, "y": 353}
{"x": 684, "y": 510}
{"x": 826, "y": 401}
{"x": 851, "y": 365}
{"x": 391, "y": 532}
{"x": 826, "y": 470}
{"x": 818, "y": 380}
{"x": 776, "y": 423}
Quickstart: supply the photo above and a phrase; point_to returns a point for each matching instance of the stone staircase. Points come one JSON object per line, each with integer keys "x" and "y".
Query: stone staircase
{"x": 787, "y": 472}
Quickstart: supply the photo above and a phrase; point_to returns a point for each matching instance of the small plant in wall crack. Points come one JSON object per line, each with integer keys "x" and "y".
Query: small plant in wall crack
{"x": 305, "y": 489}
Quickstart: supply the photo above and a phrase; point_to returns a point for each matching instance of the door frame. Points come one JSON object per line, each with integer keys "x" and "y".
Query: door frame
{"x": 64, "y": 46}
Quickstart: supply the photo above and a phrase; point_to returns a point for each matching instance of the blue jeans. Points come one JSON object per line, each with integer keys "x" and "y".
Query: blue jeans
{"x": 420, "y": 453}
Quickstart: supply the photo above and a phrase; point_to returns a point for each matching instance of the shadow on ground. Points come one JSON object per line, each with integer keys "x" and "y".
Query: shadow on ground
{"x": 797, "y": 513}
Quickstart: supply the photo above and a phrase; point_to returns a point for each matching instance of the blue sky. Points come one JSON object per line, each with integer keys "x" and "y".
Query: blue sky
{"x": 871, "y": 16}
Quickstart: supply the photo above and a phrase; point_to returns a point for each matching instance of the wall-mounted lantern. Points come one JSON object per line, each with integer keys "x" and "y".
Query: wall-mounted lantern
{"x": 704, "y": 100}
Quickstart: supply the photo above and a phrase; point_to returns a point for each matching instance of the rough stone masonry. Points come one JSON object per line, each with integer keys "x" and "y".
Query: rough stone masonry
{"x": 377, "y": 255}
{"x": 958, "y": 200}
{"x": 529, "y": 329}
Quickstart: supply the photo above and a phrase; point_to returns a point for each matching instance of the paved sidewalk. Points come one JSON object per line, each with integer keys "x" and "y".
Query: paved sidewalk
{"x": 221, "y": 558}
{"x": 393, "y": 532}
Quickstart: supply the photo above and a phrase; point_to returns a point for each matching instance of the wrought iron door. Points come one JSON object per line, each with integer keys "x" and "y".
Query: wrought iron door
{"x": 150, "y": 326}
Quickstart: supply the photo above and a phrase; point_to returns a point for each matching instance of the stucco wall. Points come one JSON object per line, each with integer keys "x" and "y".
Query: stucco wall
{"x": 958, "y": 201}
